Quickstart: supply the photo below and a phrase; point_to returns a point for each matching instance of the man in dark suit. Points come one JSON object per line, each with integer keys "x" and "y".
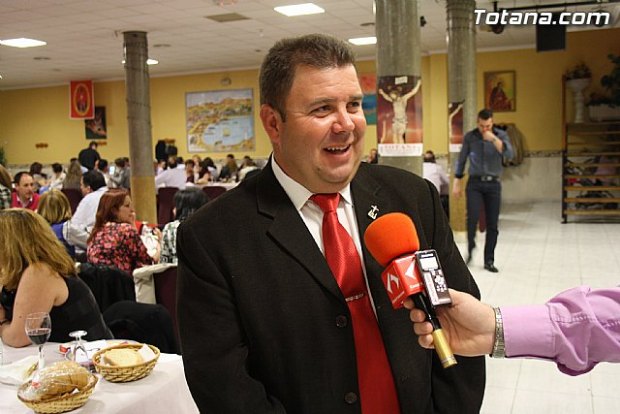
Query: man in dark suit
{"x": 263, "y": 323}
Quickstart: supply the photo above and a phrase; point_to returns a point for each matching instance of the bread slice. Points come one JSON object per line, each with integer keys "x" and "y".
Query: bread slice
{"x": 122, "y": 357}
{"x": 60, "y": 378}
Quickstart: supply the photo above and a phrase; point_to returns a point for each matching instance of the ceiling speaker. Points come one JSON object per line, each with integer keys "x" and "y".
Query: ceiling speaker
{"x": 550, "y": 37}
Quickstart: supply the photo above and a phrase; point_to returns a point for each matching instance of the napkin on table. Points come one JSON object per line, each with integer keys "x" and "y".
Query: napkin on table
{"x": 18, "y": 372}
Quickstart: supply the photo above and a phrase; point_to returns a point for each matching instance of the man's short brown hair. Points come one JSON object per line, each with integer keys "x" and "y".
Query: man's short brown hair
{"x": 278, "y": 69}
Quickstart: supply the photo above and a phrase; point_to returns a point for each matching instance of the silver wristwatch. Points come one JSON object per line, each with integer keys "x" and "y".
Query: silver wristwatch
{"x": 499, "y": 348}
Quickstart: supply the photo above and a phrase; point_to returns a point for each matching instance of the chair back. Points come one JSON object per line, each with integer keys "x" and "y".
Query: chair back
{"x": 165, "y": 204}
{"x": 166, "y": 293}
{"x": 142, "y": 322}
{"x": 108, "y": 284}
{"x": 74, "y": 195}
{"x": 213, "y": 191}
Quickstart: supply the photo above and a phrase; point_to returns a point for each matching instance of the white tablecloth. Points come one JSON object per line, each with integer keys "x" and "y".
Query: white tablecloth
{"x": 163, "y": 391}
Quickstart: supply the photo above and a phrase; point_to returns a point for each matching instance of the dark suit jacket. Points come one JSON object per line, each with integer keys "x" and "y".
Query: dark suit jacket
{"x": 108, "y": 284}
{"x": 258, "y": 305}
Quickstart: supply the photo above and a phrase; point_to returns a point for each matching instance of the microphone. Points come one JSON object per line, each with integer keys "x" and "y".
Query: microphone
{"x": 393, "y": 241}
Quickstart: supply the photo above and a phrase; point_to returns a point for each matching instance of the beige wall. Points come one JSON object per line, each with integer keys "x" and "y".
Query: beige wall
{"x": 41, "y": 115}
{"x": 539, "y": 83}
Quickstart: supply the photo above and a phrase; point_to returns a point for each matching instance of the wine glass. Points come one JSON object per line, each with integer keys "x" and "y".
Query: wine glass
{"x": 39, "y": 328}
{"x": 78, "y": 345}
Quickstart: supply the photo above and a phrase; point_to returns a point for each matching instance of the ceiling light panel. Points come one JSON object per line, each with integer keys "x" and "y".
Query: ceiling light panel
{"x": 361, "y": 41}
{"x": 22, "y": 42}
{"x": 299, "y": 9}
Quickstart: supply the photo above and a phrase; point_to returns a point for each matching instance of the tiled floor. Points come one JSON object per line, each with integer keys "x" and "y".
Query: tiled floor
{"x": 538, "y": 257}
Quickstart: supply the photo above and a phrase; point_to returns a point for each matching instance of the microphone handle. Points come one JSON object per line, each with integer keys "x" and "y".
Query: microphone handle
{"x": 442, "y": 347}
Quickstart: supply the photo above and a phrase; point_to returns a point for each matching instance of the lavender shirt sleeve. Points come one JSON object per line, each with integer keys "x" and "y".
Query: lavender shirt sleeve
{"x": 576, "y": 329}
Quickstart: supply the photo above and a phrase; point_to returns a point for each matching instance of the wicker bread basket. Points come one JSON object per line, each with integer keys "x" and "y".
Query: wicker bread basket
{"x": 61, "y": 403}
{"x": 124, "y": 373}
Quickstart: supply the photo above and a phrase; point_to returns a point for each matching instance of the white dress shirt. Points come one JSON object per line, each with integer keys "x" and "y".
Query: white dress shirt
{"x": 312, "y": 215}
{"x": 86, "y": 211}
{"x": 435, "y": 173}
{"x": 84, "y": 218}
{"x": 172, "y": 177}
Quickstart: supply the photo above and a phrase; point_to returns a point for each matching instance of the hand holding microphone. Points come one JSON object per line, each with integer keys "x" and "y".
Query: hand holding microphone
{"x": 468, "y": 325}
{"x": 393, "y": 241}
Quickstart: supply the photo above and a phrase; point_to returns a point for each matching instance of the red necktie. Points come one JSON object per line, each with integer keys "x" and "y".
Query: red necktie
{"x": 376, "y": 383}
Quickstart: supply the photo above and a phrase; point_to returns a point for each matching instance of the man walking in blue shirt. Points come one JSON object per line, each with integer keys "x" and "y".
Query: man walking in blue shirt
{"x": 485, "y": 147}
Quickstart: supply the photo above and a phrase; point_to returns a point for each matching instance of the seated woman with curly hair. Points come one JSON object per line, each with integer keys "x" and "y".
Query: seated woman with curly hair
{"x": 114, "y": 240}
{"x": 37, "y": 275}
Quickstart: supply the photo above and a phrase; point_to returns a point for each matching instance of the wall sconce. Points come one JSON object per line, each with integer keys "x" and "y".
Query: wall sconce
{"x": 225, "y": 81}
{"x": 41, "y": 145}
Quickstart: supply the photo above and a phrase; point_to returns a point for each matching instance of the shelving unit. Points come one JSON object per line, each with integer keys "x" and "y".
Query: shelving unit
{"x": 591, "y": 171}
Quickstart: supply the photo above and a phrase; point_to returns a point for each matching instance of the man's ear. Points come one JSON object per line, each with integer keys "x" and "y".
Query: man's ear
{"x": 272, "y": 121}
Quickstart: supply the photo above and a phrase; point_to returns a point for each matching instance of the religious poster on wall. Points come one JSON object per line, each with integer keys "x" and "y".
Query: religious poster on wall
{"x": 399, "y": 116}
{"x": 455, "y": 125}
{"x": 500, "y": 91}
{"x": 220, "y": 121}
{"x": 369, "y": 103}
{"x": 82, "y": 100}
{"x": 96, "y": 128}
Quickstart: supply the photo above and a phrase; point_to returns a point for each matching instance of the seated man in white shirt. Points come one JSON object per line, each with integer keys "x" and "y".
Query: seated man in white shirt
{"x": 435, "y": 173}
{"x": 174, "y": 176}
{"x": 102, "y": 166}
{"x": 93, "y": 187}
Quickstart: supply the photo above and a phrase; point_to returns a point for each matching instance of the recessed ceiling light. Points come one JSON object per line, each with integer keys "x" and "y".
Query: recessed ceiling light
{"x": 367, "y": 24}
{"x": 41, "y": 58}
{"x": 360, "y": 41}
{"x": 22, "y": 42}
{"x": 299, "y": 9}
{"x": 161, "y": 45}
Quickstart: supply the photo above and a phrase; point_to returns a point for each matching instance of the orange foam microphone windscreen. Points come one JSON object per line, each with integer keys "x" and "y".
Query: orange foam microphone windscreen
{"x": 390, "y": 236}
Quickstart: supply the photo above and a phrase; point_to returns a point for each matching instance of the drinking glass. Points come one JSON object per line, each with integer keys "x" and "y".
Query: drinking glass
{"x": 39, "y": 328}
{"x": 78, "y": 345}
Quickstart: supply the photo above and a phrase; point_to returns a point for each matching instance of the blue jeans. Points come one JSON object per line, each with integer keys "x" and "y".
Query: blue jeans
{"x": 489, "y": 194}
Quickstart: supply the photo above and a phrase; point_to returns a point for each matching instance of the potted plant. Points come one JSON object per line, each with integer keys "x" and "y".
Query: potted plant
{"x": 579, "y": 71}
{"x": 606, "y": 106}
{"x": 577, "y": 79}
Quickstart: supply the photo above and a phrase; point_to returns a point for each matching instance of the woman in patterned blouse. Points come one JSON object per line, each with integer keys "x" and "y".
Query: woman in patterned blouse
{"x": 186, "y": 202}
{"x": 5, "y": 188}
{"x": 114, "y": 240}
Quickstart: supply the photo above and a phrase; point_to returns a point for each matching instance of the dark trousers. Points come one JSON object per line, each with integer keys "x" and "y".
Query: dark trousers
{"x": 487, "y": 193}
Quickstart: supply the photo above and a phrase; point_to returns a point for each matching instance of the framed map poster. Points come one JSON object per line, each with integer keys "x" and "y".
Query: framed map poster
{"x": 220, "y": 121}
